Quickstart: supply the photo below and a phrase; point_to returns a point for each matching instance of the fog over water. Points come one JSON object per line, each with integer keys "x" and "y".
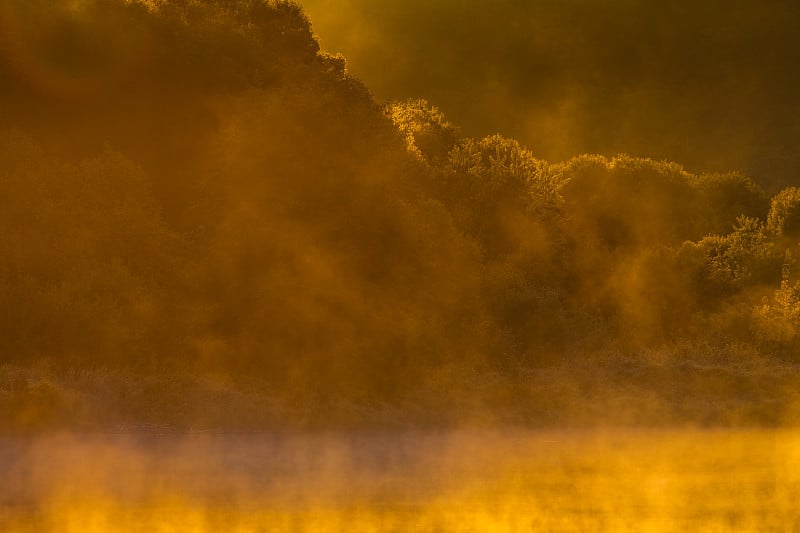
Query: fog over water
{"x": 498, "y": 267}
{"x": 450, "y": 481}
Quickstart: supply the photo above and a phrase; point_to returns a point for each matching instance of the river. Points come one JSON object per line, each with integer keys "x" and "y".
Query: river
{"x": 487, "y": 480}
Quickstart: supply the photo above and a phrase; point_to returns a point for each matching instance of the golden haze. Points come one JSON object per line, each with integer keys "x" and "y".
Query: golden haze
{"x": 218, "y": 245}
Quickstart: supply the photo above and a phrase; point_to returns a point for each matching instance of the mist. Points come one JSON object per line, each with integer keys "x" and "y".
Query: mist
{"x": 473, "y": 481}
{"x": 711, "y": 85}
{"x": 213, "y": 203}
{"x": 475, "y": 229}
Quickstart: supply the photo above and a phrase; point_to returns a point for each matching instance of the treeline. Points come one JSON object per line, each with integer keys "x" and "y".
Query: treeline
{"x": 196, "y": 185}
{"x": 711, "y": 84}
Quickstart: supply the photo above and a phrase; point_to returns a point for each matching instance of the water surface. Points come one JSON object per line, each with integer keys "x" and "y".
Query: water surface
{"x": 687, "y": 480}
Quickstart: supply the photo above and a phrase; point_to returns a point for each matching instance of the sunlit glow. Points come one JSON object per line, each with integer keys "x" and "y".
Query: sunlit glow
{"x": 517, "y": 481}
{"x": 242, "y": 289}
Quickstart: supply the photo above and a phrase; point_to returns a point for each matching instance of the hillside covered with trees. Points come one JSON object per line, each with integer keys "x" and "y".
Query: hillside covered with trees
{"x": 207, "y": 221}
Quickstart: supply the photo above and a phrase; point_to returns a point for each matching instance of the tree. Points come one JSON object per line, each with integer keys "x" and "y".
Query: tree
{"x": 87, "y": 266}
{"x": 777, "y": 320}
{"x": 428, "y": 134}
{"x": 724, "y": 198}
{"x": 497, "y": 189}
{"x": 625, "y": 202}
{"x": 784, "y": 214}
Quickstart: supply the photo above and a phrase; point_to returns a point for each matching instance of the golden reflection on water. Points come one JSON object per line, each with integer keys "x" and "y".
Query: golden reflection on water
{"x": 463, "y": 481}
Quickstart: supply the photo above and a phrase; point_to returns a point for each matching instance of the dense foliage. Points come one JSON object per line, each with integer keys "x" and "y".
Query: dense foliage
{"x": 711, "y": 84}
{"x": 194, "y": 183}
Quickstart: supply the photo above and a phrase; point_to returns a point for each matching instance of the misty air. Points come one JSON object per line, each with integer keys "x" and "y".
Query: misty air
{"x": 343, "y": 265}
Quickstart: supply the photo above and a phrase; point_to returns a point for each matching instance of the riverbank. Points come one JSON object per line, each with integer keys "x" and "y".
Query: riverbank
{"x": 665, "y": 389}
